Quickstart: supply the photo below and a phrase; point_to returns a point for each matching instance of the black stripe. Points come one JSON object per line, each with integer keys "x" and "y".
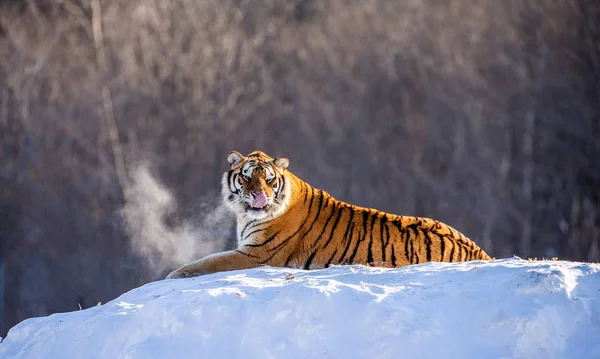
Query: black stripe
{"x": 316, "y": 215}
{"x": 244, "y": 253}
{"x": 427, "y": 245}
{"x": 459, "y": 253}
{"x": 230, "y": 180}
{"x": 280, "y": 188}
{"x": 349, "y": 241}
{"x": 256, "y": 223}
{"x": 269, "y": 171}
{"x": 306, "y": 194}
{"x": 416, "y": 228}
{"x": 416, "y": 253}
{"x": 442, "y": 248}
{"x": 348, "y": 226}
{"x": 365, "y": 219}
{"x": 370, "y": 250}
{"x": 335, "y": 224}
{"x": 245, "y": 227}
{"x": 393, "y": 256}
{"x": 405, "y": 235}
{"x": 358, "y": 241}
{"x": 326, "y": 223}
{"x": 408, "y": 245}
{"x": 275, "y": 250}
{"x": 452, "y": 251}
{"x": 303, "y": 223}
{"x": 330, "y": 258}
{"x": 307, "y": 216}
{"x": 472, "y": 250}
{"x": 263, "y": 243}
{"x": 412, "y": 247}
{"x": 307, "y": 213}
{"x": 351, "y": 259}
{"x": 403, "y": 232}
{"x": 319, "y": 208}
{"x": 309, "y": 260}
{"x": 248, "y": 169}
{"x": 383, "y": 242}
{"x": 463, "y": 239}
{"x": 254, "y": 231}
{"x": 387, "y": 234}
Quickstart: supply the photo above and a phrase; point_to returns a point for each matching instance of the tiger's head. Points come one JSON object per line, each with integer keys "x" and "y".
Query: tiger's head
{"x": 255, "y": 185}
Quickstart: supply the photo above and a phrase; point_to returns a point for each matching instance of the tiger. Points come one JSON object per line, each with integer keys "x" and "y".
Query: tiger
{"x": 282, "y": 221}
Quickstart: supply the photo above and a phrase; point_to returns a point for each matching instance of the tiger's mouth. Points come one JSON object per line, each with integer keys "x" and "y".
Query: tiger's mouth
{"x": 249, "y": 208}
{"x": 260, "y": 203}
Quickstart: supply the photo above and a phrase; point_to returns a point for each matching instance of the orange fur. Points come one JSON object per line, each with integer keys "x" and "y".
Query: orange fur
{"x": 304, "y": 227}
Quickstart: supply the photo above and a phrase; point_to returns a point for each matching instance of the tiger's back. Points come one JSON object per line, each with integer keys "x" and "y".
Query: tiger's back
{"x": 323, "y": 231}
{"x": 283, "y": 221}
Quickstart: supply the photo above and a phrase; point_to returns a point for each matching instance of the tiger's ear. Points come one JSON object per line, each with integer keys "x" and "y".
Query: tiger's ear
{"x": 234, "y": 158}
{"x": 282, "y": 162}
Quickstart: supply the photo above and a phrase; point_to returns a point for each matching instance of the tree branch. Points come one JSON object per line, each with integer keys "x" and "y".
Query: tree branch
{"x": 107, "y": 105}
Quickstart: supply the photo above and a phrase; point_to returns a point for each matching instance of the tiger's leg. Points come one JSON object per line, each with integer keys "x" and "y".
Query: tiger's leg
{"x": 216, "y": 262}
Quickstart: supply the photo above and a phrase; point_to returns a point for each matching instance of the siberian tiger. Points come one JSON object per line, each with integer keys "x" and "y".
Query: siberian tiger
{"x": 282, "y": 221}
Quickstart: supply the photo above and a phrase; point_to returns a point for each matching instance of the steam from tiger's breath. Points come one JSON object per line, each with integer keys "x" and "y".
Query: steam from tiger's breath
{"x": 147, "y": 207}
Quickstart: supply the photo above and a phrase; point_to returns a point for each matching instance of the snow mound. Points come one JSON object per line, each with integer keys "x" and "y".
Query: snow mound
{"x": 508, "y": 308}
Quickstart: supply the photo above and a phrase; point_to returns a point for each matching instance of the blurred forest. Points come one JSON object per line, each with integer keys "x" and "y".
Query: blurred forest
{"x": 484, "y": 114}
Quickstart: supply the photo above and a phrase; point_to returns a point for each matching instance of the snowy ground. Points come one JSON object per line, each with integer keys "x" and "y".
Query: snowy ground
{"x": 502, "y": 309}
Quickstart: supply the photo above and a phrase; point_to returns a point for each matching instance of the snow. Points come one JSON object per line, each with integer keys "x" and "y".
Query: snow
{"x": 508, "y": 308}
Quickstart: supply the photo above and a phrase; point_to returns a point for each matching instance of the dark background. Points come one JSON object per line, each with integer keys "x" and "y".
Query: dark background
{"x": 116, "y": 118}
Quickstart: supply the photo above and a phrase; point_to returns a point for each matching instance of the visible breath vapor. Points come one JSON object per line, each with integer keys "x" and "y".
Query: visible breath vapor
{"x": 148, "y": 206}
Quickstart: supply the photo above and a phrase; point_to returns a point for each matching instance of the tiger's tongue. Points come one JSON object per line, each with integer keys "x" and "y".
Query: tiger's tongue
{"x": 260, "y": 200}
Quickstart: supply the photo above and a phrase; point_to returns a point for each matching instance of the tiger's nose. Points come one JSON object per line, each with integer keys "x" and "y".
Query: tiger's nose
{"x": 257, "y": 190}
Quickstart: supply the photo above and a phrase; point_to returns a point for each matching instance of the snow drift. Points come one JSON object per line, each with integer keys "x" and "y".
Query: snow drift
{"x": 499, "y": 309}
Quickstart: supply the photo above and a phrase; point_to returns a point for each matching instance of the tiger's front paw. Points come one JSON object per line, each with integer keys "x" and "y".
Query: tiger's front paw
{"x": 179, "y": 273}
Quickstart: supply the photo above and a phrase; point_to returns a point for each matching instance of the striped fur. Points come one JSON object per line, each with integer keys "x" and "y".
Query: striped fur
{"x": 304, "y": 227}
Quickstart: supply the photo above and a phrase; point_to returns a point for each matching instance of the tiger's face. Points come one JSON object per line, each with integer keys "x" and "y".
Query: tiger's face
{"x": 255, "y": 185}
